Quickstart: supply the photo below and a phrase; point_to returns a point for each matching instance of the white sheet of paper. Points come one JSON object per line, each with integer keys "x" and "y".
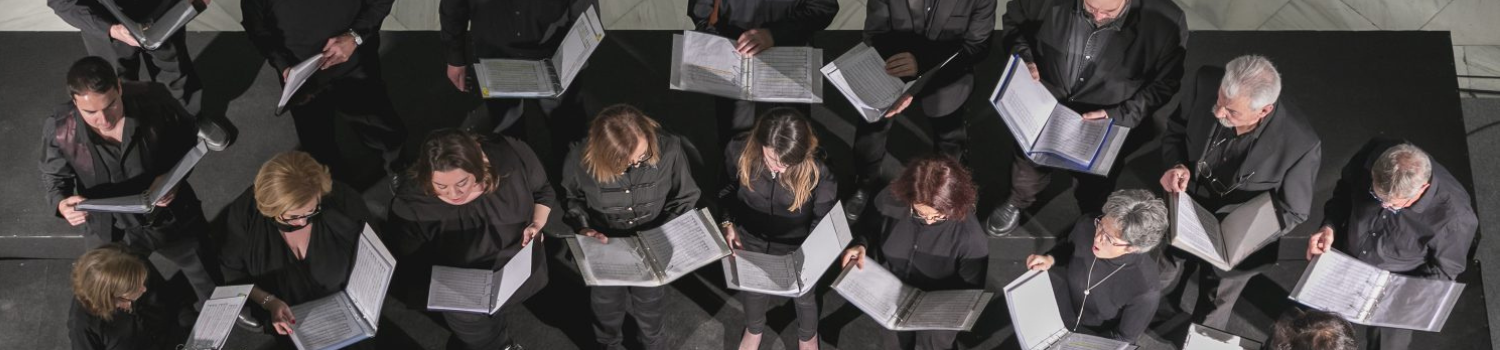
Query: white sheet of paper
{"x": 585, "y": 35}
{"x": 1033, "y": 309}
{"x": 298, "y": 76}
{"x": 217, "y": 318}
{"x": 765, "y": 273}
{"x": 1203, "y": 338}
{"x": 1192, "y": 233}
{"x": 1069, "y": 136}
{"x": 458, "y": 289}
{"x": 1338, "y": 283}
{"x": 513, "y": 275}
{"x": 371, "y": 277}
{"x": 690, "y": 241}
{"x": 710, "y": 64}
{"x": 860, "y": 75}
{"x": 617, "y": 263}
{"x": 944, "y": 309}
{"x": 513, "y": 78}
{"x": 325, "y": 323}
{"x": 1024, "y": 104}
{"x": 875, "y": 290}
{"x": 785, "y": 74}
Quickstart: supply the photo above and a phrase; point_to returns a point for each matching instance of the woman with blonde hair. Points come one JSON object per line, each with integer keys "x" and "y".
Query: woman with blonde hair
{"x": 779, "y": 187}
{"x": 627, "y": 175}
{"x": 293, "y": 234}
{"x": 109, "y": 309}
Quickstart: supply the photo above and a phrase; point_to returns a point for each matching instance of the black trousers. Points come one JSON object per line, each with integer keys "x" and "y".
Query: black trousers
{"x": 948, "y": 134}
{"x": 567, "y": 121}
{"x": 473, "y": 331}
{"x": 755, "y": 303}
{"x": 361, "y": 99}
{"x": 919, "y": 340}
{"x": 1027, "y": 179}
{"x": 1218, "y": 290}
{"x": 610, "y": 305}
{"x": 169, "y": 64}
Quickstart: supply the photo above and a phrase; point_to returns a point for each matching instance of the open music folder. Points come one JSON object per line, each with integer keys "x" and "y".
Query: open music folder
{"x": 899, "y": 307}
{"x": 1205, "y": 338}
{"x": 144, "y": 203}
{"x": 216, "y": 320}
{"x": 1247, "y": 228}
{"x": 794, "y": 274}
{"x": 860, "y": 75}
{"x": 170, "y": 17}
{"x": 353, "y": 314}
{"x": 546, "y": 78}
{"x": 478, "y": 290}
{"x": 1038, "y": 320}
{"x": 1365, "y": 294}
{"x": 1049, "y": 133}
{"x": 709, "y": 64}
{"x": 296, "y": 78}
{"x": 653, "y": 257}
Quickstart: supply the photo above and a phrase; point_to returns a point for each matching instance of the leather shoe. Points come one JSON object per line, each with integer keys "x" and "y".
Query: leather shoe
{"x": 247, "y": 321}
{"x": 856, "y": 204}
{"x": 1003, "y": 220}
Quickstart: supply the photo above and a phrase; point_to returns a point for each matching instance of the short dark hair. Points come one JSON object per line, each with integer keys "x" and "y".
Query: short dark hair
{"x": 453, "y": 149}
{"x": 937, "y": 181}
{"x": 92, "y": 74}
{"x": 1312, "y": 330}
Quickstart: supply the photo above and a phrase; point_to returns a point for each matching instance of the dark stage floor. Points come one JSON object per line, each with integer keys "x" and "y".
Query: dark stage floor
{"x": 1352, "y": 85}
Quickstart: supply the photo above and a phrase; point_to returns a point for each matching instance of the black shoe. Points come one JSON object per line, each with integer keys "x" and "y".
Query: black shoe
{"x": 395, "y": 184}
{"x": 1003, "y": 220}
{"x": 247, "y": 321}
{"x": 216, "y": 137}
{"x": 856, "y": 204}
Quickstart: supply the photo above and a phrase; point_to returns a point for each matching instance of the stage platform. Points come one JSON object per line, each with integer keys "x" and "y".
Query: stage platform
{"x": 1352, "y": 85}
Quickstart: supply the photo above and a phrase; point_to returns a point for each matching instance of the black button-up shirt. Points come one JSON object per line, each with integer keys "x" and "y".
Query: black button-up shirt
{"x": 761, "y": 209}
{"x": 1223, "y": 156}
{"x": 950, "y": 254}
{"x": 1119, "y": 306}
{"x": 520, "y": 29}
{"x": 1086, "y": 40}
{"x": 290, "y": 31}
{"x": 645, "y": 197}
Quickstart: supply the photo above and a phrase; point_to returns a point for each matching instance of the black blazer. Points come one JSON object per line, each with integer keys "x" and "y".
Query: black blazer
{"x": 962, "y": 26}
{"x": 792, "y": 22}
{"x": 1284, "y": 160}
{"x": 1143, "y": 65}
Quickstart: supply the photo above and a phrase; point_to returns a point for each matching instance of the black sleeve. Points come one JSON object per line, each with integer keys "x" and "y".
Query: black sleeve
{"x": 698, "y": 11}
{"x": 1294, "y": 197}
{"x": 58, "y": 178}
{"x": 808, "y": 17}
{"x": 974, "y": 255}
{"x": 1174, "y": 142}
{"x": 1449, "y": 247}
{"x": 1018, "y": 27}
{"x": 727, "y": 201}
{"x": 260, "y": 26}
{"x": 87, "y": 15}
{"x": 233, "y": 255}
{"x": 81, "y": 334}
{"x": 1067, "y": 245}
{"x": 826, "y": 192}
{"x": 453, "y": 22}
{"x": 536, "y": 177}
{"x": 371, "y": 14}
{"x": 575, "y": 202}
{"x": 684, "y": 194}
{"x": 407, "y": 234}
{"x": 1165, "y": 75}
{"x": 1136, "y": 316}
{"x": 976, "y": 45}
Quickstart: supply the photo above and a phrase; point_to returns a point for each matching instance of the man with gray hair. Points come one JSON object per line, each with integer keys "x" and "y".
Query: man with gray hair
{"x": 1411, "y": 217}
{"x": 1107, "y": 281}
{"x": 1233, "y": 138}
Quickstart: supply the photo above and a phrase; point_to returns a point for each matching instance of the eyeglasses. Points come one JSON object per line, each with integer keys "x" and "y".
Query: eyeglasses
{"x": 928, "y": 219}
{"x": 641, "y": 159}
{"x": 1388, "y": 205}
{"x": 1108, "y": 238}
{"x": 1206, "y": 172}
{"x": 316, "y": 209}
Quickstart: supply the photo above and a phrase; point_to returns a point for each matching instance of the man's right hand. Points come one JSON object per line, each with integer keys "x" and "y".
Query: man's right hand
{"x": 69, "y": 209}
{"x": 456, "y": 76}
{"x": 1176, "y": 179}
{"x": 591, "y": 233}
{"x": 1035, "y": 74}
{"x": 1320, "y": 242}
{"x": 901, "y": 65}
{"x": 119, "y": 33}
{"x": 281, "y": 316}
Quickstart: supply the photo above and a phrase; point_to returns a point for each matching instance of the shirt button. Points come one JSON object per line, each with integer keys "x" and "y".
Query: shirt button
{"x": 1080, "y": 79}
{"x": 627, "y": 191}
{"x": 1088, "y": 57}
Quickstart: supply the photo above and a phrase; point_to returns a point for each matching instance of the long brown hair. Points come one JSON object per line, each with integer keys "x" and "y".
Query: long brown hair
{"x": 449, "y": 149}
{"x": 612, "y": 138}
{"x": 937, "y": 181}
{"x": 786, "y": 132}
{"x": 104, "y": 274}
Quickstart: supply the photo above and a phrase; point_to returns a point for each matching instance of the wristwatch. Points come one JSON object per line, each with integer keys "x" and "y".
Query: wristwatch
{"x": 357, "y": 40}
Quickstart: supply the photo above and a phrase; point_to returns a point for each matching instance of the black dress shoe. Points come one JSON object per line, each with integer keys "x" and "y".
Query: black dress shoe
{"x": 215, "y": 136}
{"x": 1003, "y": 220}
{"x": 247, "y": 321}
{"x": 856, "y": 204}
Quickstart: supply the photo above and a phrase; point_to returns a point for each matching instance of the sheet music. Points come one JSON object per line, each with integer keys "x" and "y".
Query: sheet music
{"x": 824, "y": 245}
{"x": 619, "y": 262}
{"x": 944, "y": 309}
{"x": 765, "y": 272}
{"x": 1023, "y": 103}
{"x": 1337, "y": 283}
{"x": 1204, "y": 338}
{"x": 860, "y": 74}
{"x": 711, "y": 65}
{"x": 146, "y": 203}
{"x": 1197, "y": 230}
{"x": 1415, "y": 303}
{"x": 325, "y": 323}
{"x": 1070, "y": 136}
{"x": 875, "y": 290}
{"x": 582, "y": 39}
{"x": 298, "y": 76}
{"x": 687, "y": 242}
{"x": 506, "y": 77}
{"x": 1033, "y": 309}
{"x": 217, "y": 318}
{"x": 459, "y": 289}
{"x": 373, "y": 266}
{"x": 1250, "y": 226}
{"x": 785, "y": 73}
{"x": 180, "y": 171}
{"x": 512, "y": 276}
{"x": 1076, "y": 341}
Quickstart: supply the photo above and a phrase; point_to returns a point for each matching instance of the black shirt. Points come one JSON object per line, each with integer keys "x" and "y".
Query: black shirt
{"x": 951, "y": 254}
{"x": 140, "y": 329}
{"x": 255, "y": 252}
{"x": 792, "y": 22}
{"x": 646, "y": 196}
{"x": 521, "y": 29}
{"x": 1223, "y": 156}
{"x": 761, "y": 210}
{"x": 484, "y": 233}
{"x": 91, "y": 17}
{"x": 1431, "y": 238}
{"x": 1085, "y": 41}
{"x": 290, "y": 31}
{"x": 1121, "y": 306}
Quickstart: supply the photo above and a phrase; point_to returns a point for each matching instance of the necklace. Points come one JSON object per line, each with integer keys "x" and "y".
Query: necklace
{"x": 1086, "y": 291}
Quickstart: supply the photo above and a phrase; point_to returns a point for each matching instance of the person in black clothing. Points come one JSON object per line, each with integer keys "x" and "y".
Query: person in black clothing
{"x": 115, "y": 139}
{"x": 779, "y": 188}
{"x": 104, "y": 36}
{"x": 914, "y": 40}
{"x": 293, "y": 234}
{"x": 112, "y": 307}
{"x": 1300, "y": 329}
{"x": 474, "y": 204}
{"x": 1411, "y": 215}
{"x": 1256, "y": 143}
{"x": 512, "y": 29}
{"x": 758, "y": 25}
{"x": 349, "y": 83}
{"x": 1107, "y": 277}
{"x": 627, "y": 175}
{"x": 927, "y": 236}
{"x": 1115, "y": 59}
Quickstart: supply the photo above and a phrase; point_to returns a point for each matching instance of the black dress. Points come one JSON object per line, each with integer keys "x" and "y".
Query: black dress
{"x": 483, "y": 234}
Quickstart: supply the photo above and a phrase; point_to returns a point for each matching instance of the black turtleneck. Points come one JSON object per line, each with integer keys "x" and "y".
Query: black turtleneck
{"x": 1121, "y": 306}
{"x": 951, "y": 254}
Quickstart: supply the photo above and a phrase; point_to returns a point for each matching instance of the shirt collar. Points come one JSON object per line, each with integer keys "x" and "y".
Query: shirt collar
{"x": 1114, "y": 24}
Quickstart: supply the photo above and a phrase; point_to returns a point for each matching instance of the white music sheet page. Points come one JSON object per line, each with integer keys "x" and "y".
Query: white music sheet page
{"x": 710, "y": 65}
{"x": 944, "y": 309}
{"x": 1024, "y": 104}
{"x": 1197, "y": 230}
{"x": 1415, "y": 303}
{"x": 373, "y": 266}
{"x": 512, "y": 276}
{"x": 875, "y": 290}
{"x": 686, "y": 243}
{"x": 1033, "y": 309}
{"x": 459, "y": 289}
{"x": 505, "y": 77}
{"x": 1204, "y": 338}
{"x": 582, "y": 39}
{"x": 620, "y": 261}
{"x": 862, "y": 71}
{"x": 325, "y": 322}
{"x": 216, "y": 319}
{"x": 785, "y": 74}
{"x": 765, "y": 272}
{"x": 1338, "y": 283}
{"x": 298, "y": 76}
{"x": 1069, "y": 136}
{"x": 1077, "y": 341}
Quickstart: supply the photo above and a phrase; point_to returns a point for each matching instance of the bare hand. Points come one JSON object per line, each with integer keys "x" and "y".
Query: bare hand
{"x": 1036, "y": 75}
{"x": 167, "y": 199}
{"x": 591, "y": 233}
{"x": 1320, "y": 242}
{"x": 1095, "y": 115}
{"x": 901, "y": 65}
{"x": 754, "y": 41}
{"x": 1176, "y": 179}
{"x": 901, "y": 104}
{"x": 337, "y": 50}
{"x": 532, "y": 231}
{"x": 733, "y": 237}
{"x": 119, "y": 33}
{"x": 456, "y": 76}
{"x": 281, "y": 316}
{"x": 856, "y": 255}
{"x": 284, "y": 73}
{"x": 1039, "y": 262}
{"x": 69, "y": 209}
